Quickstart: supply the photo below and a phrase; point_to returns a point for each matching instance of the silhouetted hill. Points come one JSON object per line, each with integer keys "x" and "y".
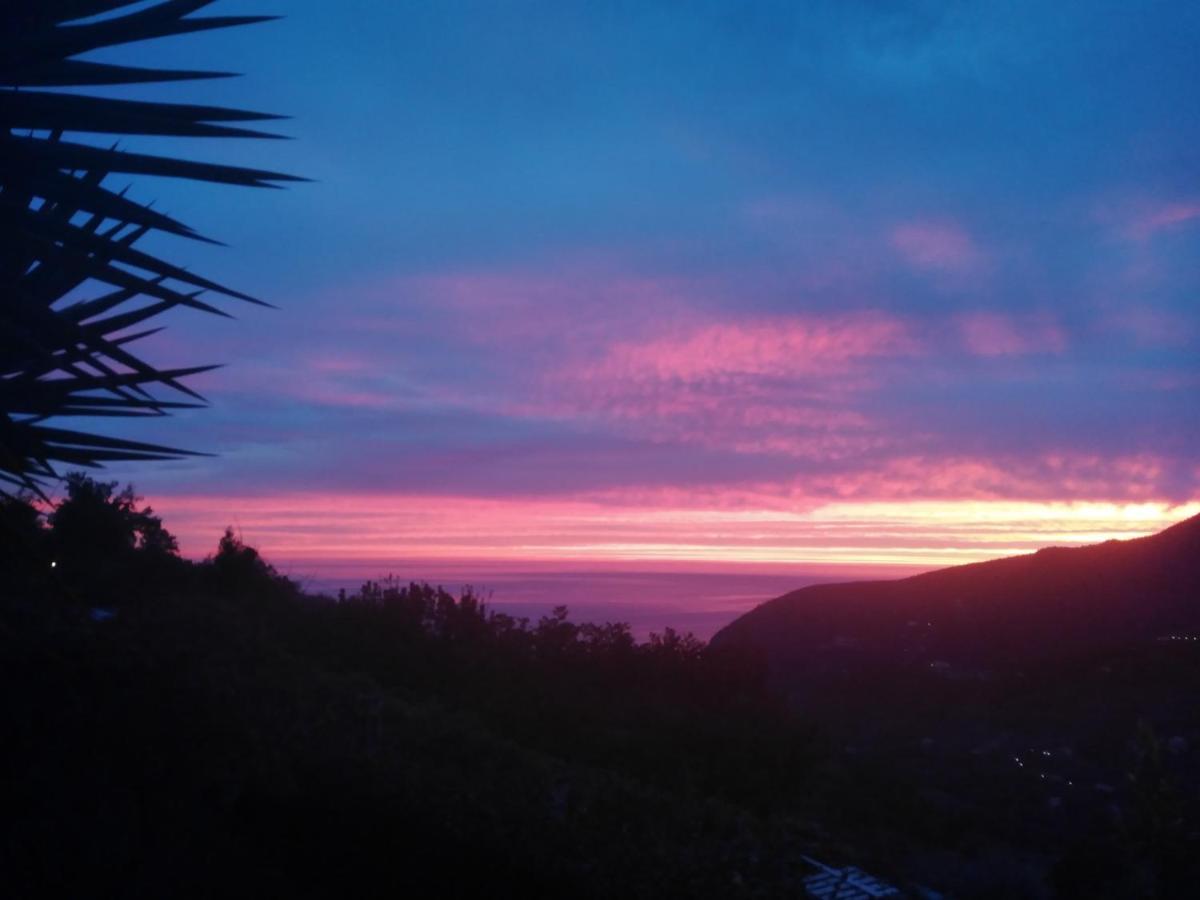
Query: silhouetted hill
{"x": 1045, "y": 606}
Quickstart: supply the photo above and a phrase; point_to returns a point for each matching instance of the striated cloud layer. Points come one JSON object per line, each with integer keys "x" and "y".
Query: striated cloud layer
{"x": 832, "y": 285}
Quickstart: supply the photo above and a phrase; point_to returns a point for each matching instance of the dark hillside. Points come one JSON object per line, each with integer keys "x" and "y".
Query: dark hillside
{"x": 1049, "y": 605}
{"x": 207, "y": 729}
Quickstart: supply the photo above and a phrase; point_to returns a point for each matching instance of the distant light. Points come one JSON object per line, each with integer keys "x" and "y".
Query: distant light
{"x": 53, "y": 564}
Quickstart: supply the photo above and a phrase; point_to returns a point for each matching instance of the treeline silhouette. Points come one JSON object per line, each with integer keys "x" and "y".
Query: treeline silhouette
{"x": 209, "y": 728}
{"x": 180, "y": 726}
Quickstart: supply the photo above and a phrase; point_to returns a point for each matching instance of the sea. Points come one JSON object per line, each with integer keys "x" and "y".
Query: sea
{"x": 699, "y": 602}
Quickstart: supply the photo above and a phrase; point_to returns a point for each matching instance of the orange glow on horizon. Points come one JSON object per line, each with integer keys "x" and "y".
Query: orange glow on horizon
{"x": 863, "y": 537}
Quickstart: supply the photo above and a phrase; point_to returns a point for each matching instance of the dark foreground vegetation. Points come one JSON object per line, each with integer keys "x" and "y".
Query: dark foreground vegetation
{"x": 181, "y": 729}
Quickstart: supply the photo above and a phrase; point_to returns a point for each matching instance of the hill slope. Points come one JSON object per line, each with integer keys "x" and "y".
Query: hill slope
{"x": 1052, "y": 604}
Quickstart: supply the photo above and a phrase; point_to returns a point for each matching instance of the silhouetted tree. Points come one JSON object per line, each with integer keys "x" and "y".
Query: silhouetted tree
{"x": 103, "y": 539}
{"x": 239, "y": 569}
{"x": 20, "y": 520}
{"x": 555, "y": 635}
{"x": 97, "y": 519}
{"x": 23, "y": 551}
{"x": 237, "y": 561}
{"x": 670, "y": 644}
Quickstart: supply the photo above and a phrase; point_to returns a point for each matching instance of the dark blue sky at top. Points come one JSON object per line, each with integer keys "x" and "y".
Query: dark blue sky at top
{"x": 958, "y": 244}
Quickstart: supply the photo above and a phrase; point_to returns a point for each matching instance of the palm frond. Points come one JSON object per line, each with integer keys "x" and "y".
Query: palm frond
{"x": 62, "y": 230}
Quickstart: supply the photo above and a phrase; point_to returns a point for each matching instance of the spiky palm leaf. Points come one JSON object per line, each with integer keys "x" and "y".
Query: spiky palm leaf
{"x": 62, "y": 227}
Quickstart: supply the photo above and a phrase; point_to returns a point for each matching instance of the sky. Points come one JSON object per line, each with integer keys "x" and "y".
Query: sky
{"x": 844, "y": 286}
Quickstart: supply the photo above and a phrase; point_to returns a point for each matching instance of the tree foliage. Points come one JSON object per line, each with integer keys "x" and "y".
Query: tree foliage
{"x": 97, "y": 522}
{"x": 75, "y": 291}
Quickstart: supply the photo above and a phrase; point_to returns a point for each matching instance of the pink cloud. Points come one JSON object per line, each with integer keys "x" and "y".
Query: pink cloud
{"x": 1161, "y": 218}
{"x": 944, "y": 247}
{"x": 1060, "y": 477}
{"x": 573, "y": 304}
{"x": 781, "y": 347}
{"x": 996, "y": 334}
{"x": 776, "y": 386}
{"x": 581, "y": 341}
{"x": 1050, "y": 477}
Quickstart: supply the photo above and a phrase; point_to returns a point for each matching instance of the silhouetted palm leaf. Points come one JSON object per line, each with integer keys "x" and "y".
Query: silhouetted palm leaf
{"x": 62, "y": 229}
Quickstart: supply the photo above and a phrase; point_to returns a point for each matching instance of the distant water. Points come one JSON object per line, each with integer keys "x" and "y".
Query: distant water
{"x": 699, "y": 602}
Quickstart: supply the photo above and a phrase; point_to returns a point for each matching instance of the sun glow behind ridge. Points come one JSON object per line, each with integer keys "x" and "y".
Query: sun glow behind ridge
{"x": 831, "y": 537}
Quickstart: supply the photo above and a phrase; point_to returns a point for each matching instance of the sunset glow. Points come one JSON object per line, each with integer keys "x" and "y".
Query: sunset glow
{"x": 820, "y": 291}
{"x": 600, "y": 450}
{"x": 384, "y": 532}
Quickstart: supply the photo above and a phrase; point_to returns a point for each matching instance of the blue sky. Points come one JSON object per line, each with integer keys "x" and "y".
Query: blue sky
{"x": 698, "y": 255}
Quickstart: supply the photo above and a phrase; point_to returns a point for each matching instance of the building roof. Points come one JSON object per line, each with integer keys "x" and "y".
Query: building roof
{"x": 847, "y": 883}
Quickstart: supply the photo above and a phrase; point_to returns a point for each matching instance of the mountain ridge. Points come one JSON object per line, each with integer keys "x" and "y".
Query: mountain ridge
{"x": 1045, "y": 604}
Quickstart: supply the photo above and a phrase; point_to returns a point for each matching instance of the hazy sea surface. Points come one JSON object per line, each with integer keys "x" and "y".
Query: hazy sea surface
{"x": 699, "y": 602}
